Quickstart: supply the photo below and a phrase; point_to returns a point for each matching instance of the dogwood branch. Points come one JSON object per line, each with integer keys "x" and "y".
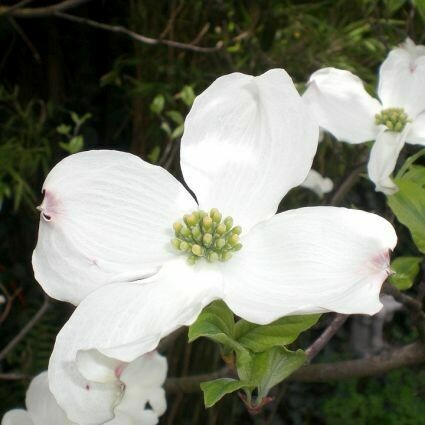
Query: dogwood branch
{"x": 413, "y": 305}
{"x": 135, "y": 36}
{"x": 328, "y": 333}
{"x": 15, "y": 341}
{"x": 18, "y": 11}
{"x": 409, "y": 355}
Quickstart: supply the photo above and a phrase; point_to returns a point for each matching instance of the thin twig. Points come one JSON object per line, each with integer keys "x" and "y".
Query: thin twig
{"x": 325, "y": 337}
{"x": 15, "y": 341}
{"x": 38, "y": 12}
{"x": 413, "y": 305}
{"x": 9, "y": 302}
{"x": 346, "y": 186}
{"x": 25, "y": 39}
{"x": 135, "y": 36}
{"x": 12, "y": 376}
{"x": 18, "y": 5}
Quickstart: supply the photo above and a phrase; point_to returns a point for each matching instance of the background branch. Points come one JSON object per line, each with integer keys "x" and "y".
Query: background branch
{"x": 18, "y": 11}
{"x": 135, "y": 36}
{"x": 409, "y": 355}
{"x": 15, "y": 341}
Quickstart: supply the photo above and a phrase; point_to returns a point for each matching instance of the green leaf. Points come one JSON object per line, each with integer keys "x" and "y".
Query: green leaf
{"x": 273, "y": 366}
{"x": 406, "y": 269}
{"x": 416, "y": 174}
{"x": 281, "y": 332}
{"x": 157, "y": 104}
{"x": 175, "y": 116}
{"x": 420, "y": 5}
{"x": 408, "y": 204}
{"x": 187, "y": 95}
{"x": 214, "y": 319}
{"x": 153, "y": 155}
{"x": 74, "y": 145}
{"x": 177, "y": 132}
{"x": 217, "y": 389}
{"x": 63, "y": 129}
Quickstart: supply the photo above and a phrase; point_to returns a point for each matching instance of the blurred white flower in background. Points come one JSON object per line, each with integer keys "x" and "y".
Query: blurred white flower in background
{"x": 343, "y": 107}
{"x": 317, "y": 183}
{"x": 42, "y": 408}
{"x": 133, "y": 392}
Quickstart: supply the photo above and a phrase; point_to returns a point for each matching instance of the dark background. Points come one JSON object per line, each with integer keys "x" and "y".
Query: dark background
{"x": 51, "y": 67}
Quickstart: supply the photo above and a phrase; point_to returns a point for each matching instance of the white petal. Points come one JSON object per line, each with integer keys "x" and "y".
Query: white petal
{"x": 247, "y": 139}
{"x": 317, "y": 183}
{"x": 310, "y": 260}
{"x": 383, "y": 159}
{"x": 416, "y": 134}
{"x": 109, "y": 218}
{"x": 41, "y": 404}
{"x": 97, "y": 367}
{"x": 402, "y": 79}
{"x": 341, "y": 105}
{"x": 143, "y": 379}
{"x": 17, "y": 417}
{"x": 147, "y": 371}
{"x": 124, "y": 321}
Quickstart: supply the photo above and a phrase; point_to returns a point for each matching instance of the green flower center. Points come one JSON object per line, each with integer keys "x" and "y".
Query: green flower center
{"x": 395, "y": 119}
{"x": 203, "y": 235}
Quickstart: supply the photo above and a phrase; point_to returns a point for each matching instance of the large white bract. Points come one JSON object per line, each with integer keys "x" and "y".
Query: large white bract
{"x": 106, "y": 224}
{"x": 131, "y": 393}
{"x": 344, "y": 108}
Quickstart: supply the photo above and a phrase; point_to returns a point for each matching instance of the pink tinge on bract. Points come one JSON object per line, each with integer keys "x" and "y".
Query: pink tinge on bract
{"x": 49, "y": 206}
{"x": 381, "y": 262}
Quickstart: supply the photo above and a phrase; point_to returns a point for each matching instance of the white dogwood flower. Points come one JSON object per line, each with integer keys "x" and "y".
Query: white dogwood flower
{"x": 132, "y": 392}
{"x": 109, "y": 220}
{"x": 317, "y": 183}
{"x": 42, "y": 408}
{"x": 343, "y": 107}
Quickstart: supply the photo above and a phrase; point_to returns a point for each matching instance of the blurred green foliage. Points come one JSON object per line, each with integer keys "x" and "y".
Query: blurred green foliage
{"x": 132, "y": 96}
{"x": 399, "y": 399}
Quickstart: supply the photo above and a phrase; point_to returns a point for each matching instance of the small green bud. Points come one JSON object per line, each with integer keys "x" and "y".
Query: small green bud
{"x": 184, "y": 246}
{"x": 196, "y": 233}
{"x": 176, "y": 243}
{"x": 237, "y": 247}
{"x": 177, "y": 226}
{"x": 215, "y": 215}
{"x": 191, "y": 220}
{"x": 185, "y": 232}
{"x": 202, "y": 214}
{"x": 207, "y": 239}
{"x": 213, "y": 257}
{"x": 221, "y": 229}
{"x": 233, "y": 240}
{"x": 226, "y": 255}
{"x": 228, "y": 221}
{"x": 219, "y": 243}
{"x": 196, "y": 215}
{"x": 237, "y": 230}
{"x": 207, "y": 222}
{"x": 389, "y": 125}
{"x": 197, "y": 250}
{"x": 192, "y": 259}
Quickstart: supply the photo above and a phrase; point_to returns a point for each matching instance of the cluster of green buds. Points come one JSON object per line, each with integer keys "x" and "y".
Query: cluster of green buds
{"x": 203, "y": 235}
{"x": 395, "y": 119}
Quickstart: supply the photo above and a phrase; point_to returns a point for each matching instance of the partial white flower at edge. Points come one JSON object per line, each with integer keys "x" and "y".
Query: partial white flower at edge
{"x": 317, "y": 183}
{"x": 106, "y": 228}
{"x": 344, "y": 108}
{"x": 139, "y": 396}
